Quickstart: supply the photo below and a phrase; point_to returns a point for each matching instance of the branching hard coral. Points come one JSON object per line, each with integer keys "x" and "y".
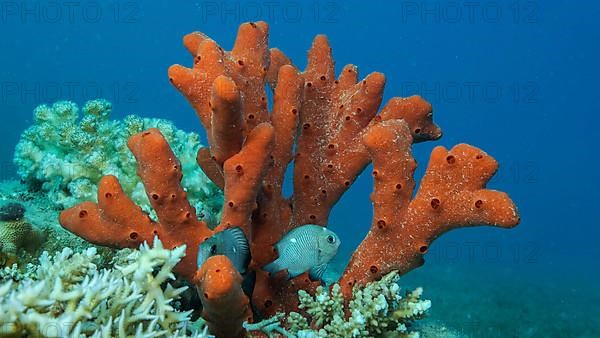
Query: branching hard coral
{"x": 375, "y": 310}
{"x": 271, "y": 327}
{"x": 65, "y": 295}
{"x": 69, "y": 154}
{"x": 378, "y": 309}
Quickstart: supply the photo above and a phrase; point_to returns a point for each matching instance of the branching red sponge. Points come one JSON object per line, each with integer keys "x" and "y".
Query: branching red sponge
{"x": 225, "y": 306}
{"x": 116, "y": 221}
{"x": 331, "y": 128}
{"x": 452, "y": 194}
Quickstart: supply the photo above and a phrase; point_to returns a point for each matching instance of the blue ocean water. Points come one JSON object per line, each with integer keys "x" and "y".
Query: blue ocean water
{"x": 515, "y": 78}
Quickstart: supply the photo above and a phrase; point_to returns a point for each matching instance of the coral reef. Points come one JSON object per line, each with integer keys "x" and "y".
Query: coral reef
{"x": 66, "y": 295}
{"x": 377, "y": 309}
{"x": 47, "y": 234}
{"x": 67, "y": 155}
{"x": 331, "y": 129}
{"x": 15, "y": 233}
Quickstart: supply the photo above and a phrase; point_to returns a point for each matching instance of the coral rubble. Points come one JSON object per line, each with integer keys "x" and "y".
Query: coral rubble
{"x": 331, "y": 129}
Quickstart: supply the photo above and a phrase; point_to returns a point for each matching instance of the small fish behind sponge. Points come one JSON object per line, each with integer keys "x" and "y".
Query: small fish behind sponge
{"x": 307, "y": 248}
{"x": 230, "y": 242}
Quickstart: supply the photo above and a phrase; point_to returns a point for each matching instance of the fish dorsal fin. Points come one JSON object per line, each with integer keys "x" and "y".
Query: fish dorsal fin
{"x": 317, "y": 271}
{"x": 238, "y": 236}
{"x": 236, "y": 248}
{"x": 204, "y": 250}
{"x": 282, "y": 245}
{"x": 279, "y": 247}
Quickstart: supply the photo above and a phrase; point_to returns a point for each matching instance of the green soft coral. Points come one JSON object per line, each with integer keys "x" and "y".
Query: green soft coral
{"x": 67, "y": 154}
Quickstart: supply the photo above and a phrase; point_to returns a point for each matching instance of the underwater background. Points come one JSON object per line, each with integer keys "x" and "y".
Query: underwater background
{"x": 515, "y": 78}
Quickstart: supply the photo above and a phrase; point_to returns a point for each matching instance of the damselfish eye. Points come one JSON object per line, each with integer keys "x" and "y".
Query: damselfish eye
{"x": 330, "y": 239}
{"x": 213, "y": 249}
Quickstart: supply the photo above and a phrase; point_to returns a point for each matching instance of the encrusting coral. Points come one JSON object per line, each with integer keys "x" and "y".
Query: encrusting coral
{"x": 331, "y": 129}
{"x": 66, "y": 295}
{"x": 67, "y": 154}
{"x": 15, "y": 233}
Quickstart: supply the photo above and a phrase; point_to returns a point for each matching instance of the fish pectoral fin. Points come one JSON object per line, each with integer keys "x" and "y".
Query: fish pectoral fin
{"x": 317, "y": 271}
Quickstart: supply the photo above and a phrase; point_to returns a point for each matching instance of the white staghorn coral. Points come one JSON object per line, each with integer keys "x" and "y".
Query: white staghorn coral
{"x": 66, "y": 295}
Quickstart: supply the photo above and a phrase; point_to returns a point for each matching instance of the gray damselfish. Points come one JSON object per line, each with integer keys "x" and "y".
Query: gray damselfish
{"x": 307, "y": 248}
{"x": 230, "y": 242}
